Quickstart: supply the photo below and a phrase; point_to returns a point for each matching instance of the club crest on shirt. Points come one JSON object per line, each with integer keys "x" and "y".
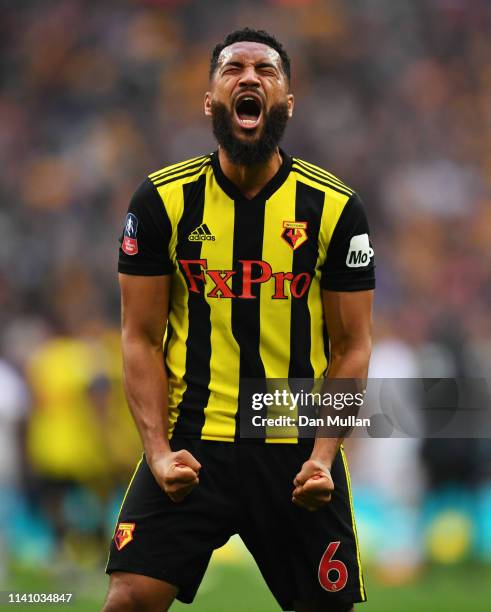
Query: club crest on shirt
{"x": 294, "y": 233}
{"x": 130, "y": 243}
{"x": 124, "y": 534}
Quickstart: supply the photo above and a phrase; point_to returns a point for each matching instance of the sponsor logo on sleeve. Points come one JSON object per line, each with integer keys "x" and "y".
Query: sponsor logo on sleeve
{"x": 130, "y": 243}
{"x": 360, "y": 252}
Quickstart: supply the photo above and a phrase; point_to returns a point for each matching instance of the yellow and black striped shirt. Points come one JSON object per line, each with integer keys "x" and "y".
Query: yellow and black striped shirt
{"x": 247, "y": 276}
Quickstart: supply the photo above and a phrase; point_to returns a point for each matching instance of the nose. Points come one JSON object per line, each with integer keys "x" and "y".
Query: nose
{"x": 249, "y": 77}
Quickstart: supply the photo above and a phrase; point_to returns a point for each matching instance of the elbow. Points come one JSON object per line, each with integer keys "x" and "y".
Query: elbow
{"x": 351, "y": 358}
{"x": 132, "y": 340}
{"x": 362, "y": 348}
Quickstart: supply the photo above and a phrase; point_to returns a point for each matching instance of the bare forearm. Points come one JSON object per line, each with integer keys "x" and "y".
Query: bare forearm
{"x": 146, "y": 386}
{"x": 352, "y": 365}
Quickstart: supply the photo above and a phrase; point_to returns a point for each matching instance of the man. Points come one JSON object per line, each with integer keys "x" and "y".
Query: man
{"x": 241, "y": 258}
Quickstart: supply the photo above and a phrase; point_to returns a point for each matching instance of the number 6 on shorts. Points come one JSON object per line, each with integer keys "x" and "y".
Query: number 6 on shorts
{"x": 328, "y": 565}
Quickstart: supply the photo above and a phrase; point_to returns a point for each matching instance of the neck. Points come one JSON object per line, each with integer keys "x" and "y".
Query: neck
{"x": 250, "y": 179}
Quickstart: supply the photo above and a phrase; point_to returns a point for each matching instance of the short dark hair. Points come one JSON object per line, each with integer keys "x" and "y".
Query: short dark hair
{"x": 250, "y": 35}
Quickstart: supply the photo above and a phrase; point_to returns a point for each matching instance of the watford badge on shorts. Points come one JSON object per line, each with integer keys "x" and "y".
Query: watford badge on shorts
{"x": 294, "y": 233}
{"x": 124, "y": 534}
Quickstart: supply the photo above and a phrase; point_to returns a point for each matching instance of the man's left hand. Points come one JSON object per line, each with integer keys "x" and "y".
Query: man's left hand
{"x": 313, "y": 485}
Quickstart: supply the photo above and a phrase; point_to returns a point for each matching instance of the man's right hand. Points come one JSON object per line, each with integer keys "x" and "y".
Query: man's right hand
{"x": 176, "y": 473}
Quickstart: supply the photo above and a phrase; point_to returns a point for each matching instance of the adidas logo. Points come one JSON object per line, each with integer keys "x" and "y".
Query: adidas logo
{"x": 201, "y": 233}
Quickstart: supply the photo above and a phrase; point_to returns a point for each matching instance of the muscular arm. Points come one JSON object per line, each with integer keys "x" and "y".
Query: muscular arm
{"x": 348, "y": 317}
{"x": 145, "y": 305}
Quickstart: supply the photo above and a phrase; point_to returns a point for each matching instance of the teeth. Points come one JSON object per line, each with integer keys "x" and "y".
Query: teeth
{"x": 248, "y": 98}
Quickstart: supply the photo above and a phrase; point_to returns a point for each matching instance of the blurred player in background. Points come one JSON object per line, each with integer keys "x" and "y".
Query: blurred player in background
{"x": 242, "y": 259}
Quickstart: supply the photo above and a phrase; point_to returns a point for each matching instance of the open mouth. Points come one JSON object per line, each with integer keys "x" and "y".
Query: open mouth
{"x": 248, "y": 111}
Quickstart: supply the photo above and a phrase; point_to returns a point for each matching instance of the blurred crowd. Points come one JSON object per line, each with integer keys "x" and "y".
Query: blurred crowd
{"x": 393, "y": 97}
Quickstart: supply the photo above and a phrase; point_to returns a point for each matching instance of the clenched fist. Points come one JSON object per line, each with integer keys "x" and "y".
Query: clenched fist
{"x": 176, "y": 473}
{"x": 313, "y": 485}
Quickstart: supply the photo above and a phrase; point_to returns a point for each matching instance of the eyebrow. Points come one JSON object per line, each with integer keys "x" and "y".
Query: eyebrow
{"x": 239, "y": 64}
{"x": 266, "y": 65}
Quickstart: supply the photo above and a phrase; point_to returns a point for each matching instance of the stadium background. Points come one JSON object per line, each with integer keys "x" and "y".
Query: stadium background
{"x": 393, "y": 97}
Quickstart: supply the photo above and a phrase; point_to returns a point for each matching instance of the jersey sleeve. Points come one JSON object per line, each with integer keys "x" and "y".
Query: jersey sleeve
{"x": 349, "y": 264}
{"x": 144, "y": 243}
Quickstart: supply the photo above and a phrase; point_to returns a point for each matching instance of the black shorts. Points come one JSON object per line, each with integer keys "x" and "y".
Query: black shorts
{"x": 245, "y": 488}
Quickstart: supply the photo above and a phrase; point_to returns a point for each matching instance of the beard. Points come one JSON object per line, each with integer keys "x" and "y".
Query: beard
{"x": 259, "y": 150}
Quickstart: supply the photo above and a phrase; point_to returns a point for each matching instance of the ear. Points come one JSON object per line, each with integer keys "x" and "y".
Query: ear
{"x": 290, "y": 100}
{"x": 207, "y": 104}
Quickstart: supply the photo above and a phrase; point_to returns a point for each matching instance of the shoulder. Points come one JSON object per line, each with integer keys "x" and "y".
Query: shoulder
{"x": 320, "y": 178}
{"x": 183, "y": 170}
